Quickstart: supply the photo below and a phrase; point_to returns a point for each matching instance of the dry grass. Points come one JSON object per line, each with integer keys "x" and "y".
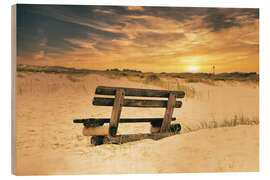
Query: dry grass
{"x": 232, "y": 122}
{"x": 170, "y": 81}
{"x": 192, "y": 80}
{"x": 72, "y": 79}
{"x": 158, "y": 80}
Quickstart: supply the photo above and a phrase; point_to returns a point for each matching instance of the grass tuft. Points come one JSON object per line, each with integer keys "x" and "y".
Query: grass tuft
{"x": 72, "y": 79}
{"x": 192, "y": 80}
{"x": 152, "y": 78}
{"x": 236, "y": 120}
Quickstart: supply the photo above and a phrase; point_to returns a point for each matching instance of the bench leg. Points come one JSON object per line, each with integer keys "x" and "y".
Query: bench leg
{"x": 116, "y": 111}
{"x": 168, "y": 113}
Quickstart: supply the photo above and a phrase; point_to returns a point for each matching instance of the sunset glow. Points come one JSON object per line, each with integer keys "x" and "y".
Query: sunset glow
{"x": 150, "y": 39}
{"x": 192, "y": 68}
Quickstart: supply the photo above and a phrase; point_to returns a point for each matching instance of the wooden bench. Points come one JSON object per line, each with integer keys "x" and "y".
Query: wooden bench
{"x": 160, "y": 127}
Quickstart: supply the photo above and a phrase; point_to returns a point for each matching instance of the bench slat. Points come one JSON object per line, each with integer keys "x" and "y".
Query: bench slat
{"x": 104, "y": 90}
{"x": 123, "y": 120}
{"x": 100, "y": 101}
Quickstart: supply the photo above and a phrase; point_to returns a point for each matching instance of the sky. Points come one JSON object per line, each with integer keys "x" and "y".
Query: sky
{"x": 150, "y": 39}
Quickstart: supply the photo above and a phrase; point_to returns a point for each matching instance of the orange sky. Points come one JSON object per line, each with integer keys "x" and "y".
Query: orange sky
{"x": 144, "y": 38}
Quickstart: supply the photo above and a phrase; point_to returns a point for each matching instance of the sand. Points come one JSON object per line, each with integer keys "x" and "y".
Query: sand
{"x": 49, "y": 143}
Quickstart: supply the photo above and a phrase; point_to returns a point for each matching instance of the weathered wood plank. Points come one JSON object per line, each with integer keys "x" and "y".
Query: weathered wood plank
{"x": 168, "y": 113}
{"x": 122, "y": 120}
{"x": 120, "y": 139}
{"x": 116, "y": 111}
{"x": 95, "y": 122}
{"x": 104, "y": 90}
{"x": 100, "y": 101}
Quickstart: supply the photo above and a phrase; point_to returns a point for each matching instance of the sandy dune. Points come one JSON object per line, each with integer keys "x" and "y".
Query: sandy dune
{"x": 49, "y": 143}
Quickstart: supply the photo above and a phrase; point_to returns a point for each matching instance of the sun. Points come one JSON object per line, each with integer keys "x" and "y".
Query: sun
{"x": 192, "y": 68}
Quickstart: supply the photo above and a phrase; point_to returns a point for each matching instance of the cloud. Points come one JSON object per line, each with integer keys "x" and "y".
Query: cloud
{"x": 217, "y": 19}
{"x": 153, "y": 39}
{"x": 132, "y": 34}
{"x": 39, "y": 55}
{"x": 135, "y": 8}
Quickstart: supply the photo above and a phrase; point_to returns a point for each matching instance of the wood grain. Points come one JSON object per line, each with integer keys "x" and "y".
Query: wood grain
{"x": 104, "y": 90}
{"x": 100, "y": 101}
{"x": 120, "y": 139}
{"x": 94, "y": 122}
{"x": 116, "y": 111}
{"x": 168, "y": 113}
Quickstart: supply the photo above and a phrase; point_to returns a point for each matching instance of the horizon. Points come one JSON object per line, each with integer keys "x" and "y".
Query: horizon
{"x": 139, "y": 71}
{"x": 151, "y": 39}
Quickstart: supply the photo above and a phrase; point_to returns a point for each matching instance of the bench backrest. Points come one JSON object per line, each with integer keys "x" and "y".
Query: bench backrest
{"x": 120, "y": 101}
{"x": 104, "y": 101}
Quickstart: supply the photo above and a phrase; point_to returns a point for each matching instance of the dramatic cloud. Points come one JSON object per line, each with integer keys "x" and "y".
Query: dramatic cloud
{"x": 147, "y": 38}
